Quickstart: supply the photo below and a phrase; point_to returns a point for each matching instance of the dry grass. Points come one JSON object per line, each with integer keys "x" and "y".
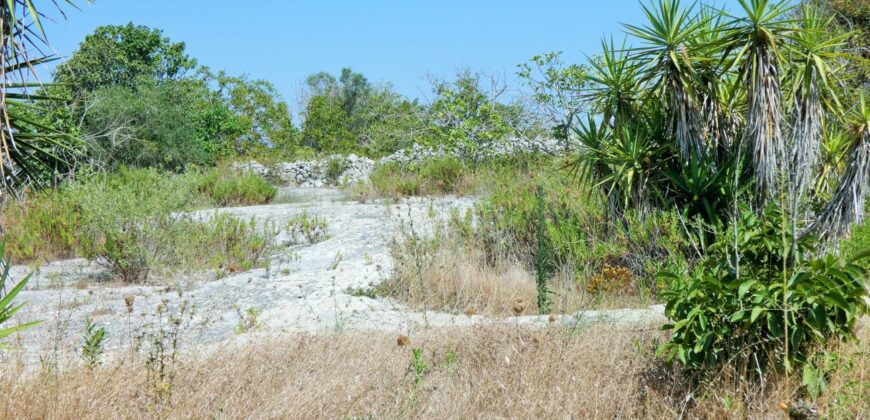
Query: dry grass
{"x": 458, "y": 282}
{"x": 488, "y": 372}
{"x": 444, "y": 273}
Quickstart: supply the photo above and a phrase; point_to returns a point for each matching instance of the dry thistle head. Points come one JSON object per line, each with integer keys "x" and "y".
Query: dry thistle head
{"x": 403, "y": 340}
{"x": 469, "y": 311}
{"x": 128, "y": 300}
{"x": 519, "y": 306}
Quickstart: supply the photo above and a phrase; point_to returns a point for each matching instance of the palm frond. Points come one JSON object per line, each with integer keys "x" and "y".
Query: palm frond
{"x": 25, "y": 147}
{"x": 847, "y": 203}
{"x": 763, "y": 30}
{"x": 665, "y": 41}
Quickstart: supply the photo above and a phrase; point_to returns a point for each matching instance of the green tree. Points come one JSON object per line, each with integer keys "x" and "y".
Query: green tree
{"x": 160, "y": 124}
{"x": 122, "y": 55}
{"x": 263, "y": 114}
{"x": 327, "y": 126}
{"x": 387, "y": 122}
{"x": 557, "y": 89}
{"x": 334, "y": 120}
{"x": 466, "y": 118}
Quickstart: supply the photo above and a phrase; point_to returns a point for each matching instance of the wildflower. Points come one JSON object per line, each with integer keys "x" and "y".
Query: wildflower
{"x": 519, "y": 306}
{"x": 128, "y": 300}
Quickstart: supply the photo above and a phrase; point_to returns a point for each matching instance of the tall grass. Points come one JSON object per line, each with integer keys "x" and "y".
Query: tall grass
{"x": 134, "y": 220}
{"x": 480, "y": 372}
{"x": 536, "y": 238}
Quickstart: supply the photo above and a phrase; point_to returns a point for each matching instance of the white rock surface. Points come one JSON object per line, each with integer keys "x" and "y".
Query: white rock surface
{"x": 305, "y": 288}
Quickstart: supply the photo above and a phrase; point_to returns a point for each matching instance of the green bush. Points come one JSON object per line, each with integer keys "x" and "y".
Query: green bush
{"x": 754, "y": 313}
{"x": 232, "y": 244}
{"x": 136, "y": 220}
{"x": 225, "y": 187}
{"x": 313, "y": 228}
{"x": 125, "y": 251}
{"x": 391, "y": 180}
{"x": 42, "y": 227}
{"x": 442, "y": 175}
{"x": 578, "y": 233}
{"x": 335, "y": 167}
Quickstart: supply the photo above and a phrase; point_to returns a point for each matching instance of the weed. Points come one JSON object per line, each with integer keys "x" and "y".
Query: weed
{"x": 418, "y": 366}
{"x": 225, "y": 187}
{"x": 248, "y": 319}
{"x": 335, "y": 261}
{"x": 133, "y": 221}
{"x": 161, "y": 341}
{"x": 450, "y": 358}
{"x": 335, "y": 166}
{"x": 92, "y": 348}
{"x": 313, "y": 228}
{"x": 542, "y": 257}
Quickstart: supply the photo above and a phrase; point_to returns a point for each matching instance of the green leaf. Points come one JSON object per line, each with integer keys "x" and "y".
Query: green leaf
{"x": 756, "y": 311}
{"x": 744, "y": 287}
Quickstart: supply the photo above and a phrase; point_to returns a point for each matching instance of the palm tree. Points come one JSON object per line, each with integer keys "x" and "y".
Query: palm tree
{"x": 847, "y": 204}
{"x": 814, "y": 47}
{"x": 757, "y": 39}
{"x": 666, "y": 37}
{"x": 26, "y": 145}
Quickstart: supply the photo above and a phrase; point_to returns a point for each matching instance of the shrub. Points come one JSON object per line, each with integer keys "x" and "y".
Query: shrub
{"x": 124, "y": 251}
{"x": 753, "y": 313}
{"x": 135, "y": 220}
{"x": 41, "y": 227}
{"x": 226, "y": 187}
{"x": 335, "y": 167}
{"x": 313, "y": 228}
{"x": 392, "y": 180}
{"x": 232, "y": 244}
{"x": 442, "y": 175}
{"x": 577, "y": 233}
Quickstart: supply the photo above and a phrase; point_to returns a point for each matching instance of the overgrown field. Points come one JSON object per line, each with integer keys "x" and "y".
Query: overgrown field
{"x": 503, "y": 372}
{"x": 136, "y": 222}
{"x": 537, "y": 234}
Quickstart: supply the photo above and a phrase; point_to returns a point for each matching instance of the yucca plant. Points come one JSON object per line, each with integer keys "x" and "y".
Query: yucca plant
{"x": 833, "y": 152}
{"x": 847, "y": 203}
{"x": 615, "y": 83}
{"x": 718, "y": 91}
{"x": 7, "y": 306}
{"x": 704, "y": 188}
{"x": 27, "y": 146}
{"x": 758, "y": 39}
{"x": 665, "y": 39}
{"x": 754, "y": 141}
{"x": 815, "y": 48}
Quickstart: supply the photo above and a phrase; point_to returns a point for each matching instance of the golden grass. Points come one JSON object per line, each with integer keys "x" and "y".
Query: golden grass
{"x": 454, "y": 276}
{"x": 482, "y": 372}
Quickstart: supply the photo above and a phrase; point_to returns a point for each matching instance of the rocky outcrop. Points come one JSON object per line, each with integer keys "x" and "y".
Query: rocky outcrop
{"x": 418, "y": 153}
{"x": 351, "y": 169}
{"x": 330, "y": 171}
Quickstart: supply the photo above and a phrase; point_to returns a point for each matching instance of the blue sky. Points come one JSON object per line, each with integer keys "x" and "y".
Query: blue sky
{"x": 388, "y": 41}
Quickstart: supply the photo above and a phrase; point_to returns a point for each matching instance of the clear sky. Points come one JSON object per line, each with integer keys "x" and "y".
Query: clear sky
{"x": 388, "y": 41}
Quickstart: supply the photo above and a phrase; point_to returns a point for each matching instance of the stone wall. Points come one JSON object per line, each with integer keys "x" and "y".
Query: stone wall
{"x": 352, "y": 169}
